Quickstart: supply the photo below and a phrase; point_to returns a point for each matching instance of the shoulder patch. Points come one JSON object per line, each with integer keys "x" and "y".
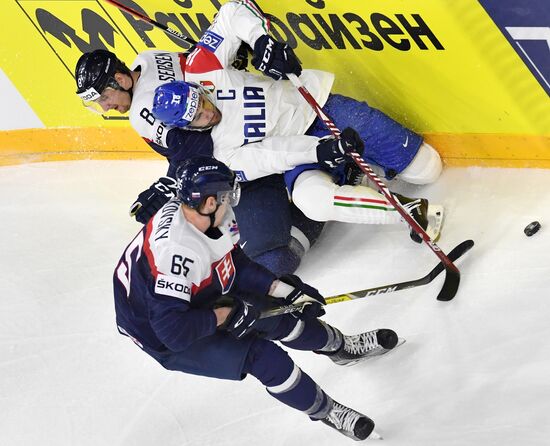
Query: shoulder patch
{"x": 210, "y": 40}
{"x": 226, "y": 272}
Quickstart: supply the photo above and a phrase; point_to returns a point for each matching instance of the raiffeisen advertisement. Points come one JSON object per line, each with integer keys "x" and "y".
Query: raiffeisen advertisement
{"x": 472, "y": 76}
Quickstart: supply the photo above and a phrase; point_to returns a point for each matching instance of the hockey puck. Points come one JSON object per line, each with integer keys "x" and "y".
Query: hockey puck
{"x": 531, "y": 228}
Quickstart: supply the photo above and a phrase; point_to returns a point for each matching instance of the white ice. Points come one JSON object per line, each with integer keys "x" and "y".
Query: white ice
{"x": 474, "y": 371}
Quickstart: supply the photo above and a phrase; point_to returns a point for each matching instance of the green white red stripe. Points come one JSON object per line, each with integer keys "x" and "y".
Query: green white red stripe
{"x": 358, "y": 202}
{"x": 250, "y": 5}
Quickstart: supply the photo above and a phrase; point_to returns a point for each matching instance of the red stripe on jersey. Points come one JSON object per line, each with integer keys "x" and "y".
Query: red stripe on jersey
{"x": 367, "y": 200}
{"x": 147, "y": 140}
{"x": 206, "y": 282}
{"x": 202, "y": 61}
{"x": 147, "y": 249}
{"x": 183, "y": 61}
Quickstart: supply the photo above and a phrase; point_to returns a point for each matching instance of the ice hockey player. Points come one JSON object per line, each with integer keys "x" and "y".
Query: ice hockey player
{"x": 262, "y": 126}
{"x": 189, "y": 297}
{"x": 105, "y": 83}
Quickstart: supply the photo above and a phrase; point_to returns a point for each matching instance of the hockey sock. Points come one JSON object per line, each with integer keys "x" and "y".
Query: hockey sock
{"x": 284, "y": 380}
{"x": 319, "y": 198}
{"x": 316, "y": 336}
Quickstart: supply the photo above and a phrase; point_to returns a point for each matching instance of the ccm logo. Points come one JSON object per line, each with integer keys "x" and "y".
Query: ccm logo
{"x": 203, "y": 168}
{"x": 267, "y": 55}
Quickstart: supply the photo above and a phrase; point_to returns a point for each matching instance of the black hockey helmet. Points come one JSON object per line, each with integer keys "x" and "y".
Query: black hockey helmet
{"x": 200, "y": 177}
{"x": 95, "y": 71}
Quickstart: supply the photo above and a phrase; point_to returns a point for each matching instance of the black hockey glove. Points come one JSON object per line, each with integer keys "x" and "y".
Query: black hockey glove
{"x": 152, "y": 199}
{"x": 241, "y": 320}
{"x": 311, "y": 310}
{"x": 275, "y": 59}
{"x": 332, "y": 151}
{"x": 241, "y": 58}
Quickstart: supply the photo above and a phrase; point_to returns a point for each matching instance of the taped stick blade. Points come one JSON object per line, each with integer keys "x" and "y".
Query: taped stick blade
{"x": 452, "y": 276}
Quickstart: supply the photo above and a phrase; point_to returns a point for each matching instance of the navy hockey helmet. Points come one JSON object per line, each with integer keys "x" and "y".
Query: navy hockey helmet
{"x": 176, "y": 103}
{"x": 200, "y": 177}
{"x": 95, "y": 71}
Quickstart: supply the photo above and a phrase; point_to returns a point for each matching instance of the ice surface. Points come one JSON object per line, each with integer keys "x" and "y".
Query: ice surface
{"x": 474, "y": 371}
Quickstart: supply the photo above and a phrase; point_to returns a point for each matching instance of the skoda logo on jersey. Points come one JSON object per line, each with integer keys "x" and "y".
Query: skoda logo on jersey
{"x": 210, "y": 40}
{"x": 225, "y": 270}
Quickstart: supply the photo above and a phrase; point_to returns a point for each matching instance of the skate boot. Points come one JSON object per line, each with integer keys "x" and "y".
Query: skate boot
{"x": 363, "y": 346}
{"x": 347, "y": 421}
{"x": 429, "y": 217}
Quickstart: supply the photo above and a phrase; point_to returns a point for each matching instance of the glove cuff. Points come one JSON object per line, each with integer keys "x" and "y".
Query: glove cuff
{"x": 282, "y": 289}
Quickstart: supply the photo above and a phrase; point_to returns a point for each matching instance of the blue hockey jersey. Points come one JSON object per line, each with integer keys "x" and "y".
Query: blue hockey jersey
{"x": 171, "y": 274}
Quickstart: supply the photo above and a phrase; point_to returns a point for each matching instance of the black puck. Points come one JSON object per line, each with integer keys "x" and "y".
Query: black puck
{"x": 531, "y": 228}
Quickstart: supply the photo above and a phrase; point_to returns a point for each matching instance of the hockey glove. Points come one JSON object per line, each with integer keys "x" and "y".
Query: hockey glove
{"x": 332, "y": 151}
{"x": 241, "y": 320}
{"x": 275, "y": 59}
{"x": 301, "y": 290}
{"x": 241, "y": 58}
{"x": 152, "y": 199}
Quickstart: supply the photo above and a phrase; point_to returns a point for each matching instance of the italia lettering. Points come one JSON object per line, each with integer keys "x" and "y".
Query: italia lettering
{"x": 254, "y": 118}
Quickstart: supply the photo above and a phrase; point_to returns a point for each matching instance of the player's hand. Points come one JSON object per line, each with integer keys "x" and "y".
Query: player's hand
{"x": 275, "y": 59}
{"x": 152, "y": 199}
{"x": 311, "y": 310}
{"x": 333, "y": 151}
{"x": 240, "y": 321}
{"x": 221, "y": 314}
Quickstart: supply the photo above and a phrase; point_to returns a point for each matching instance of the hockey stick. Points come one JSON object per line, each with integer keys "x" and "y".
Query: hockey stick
{"x": 452, "y": 277}
{"x": 455, "y": 254}
{"x": 149, "y": 20}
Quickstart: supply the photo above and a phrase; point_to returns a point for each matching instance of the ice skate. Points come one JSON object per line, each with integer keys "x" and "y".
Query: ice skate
{"x": 349, "y": 422}
{"x": 428, "y": 216}
{"x": 364, "y": 346}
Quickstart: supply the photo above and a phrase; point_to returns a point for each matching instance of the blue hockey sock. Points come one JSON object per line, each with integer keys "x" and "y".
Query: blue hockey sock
{"x": 284, "y": 380}
{"x": 310, "y": 334}
{"x": 313, "y": 334}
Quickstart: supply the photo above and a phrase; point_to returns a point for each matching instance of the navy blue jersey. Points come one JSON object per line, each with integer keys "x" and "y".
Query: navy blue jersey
{"x": 171, "y": 274}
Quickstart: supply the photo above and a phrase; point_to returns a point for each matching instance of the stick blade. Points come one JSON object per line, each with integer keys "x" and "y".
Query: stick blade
{"x": 450, "y": 286}
{"x": 452, "y": 276}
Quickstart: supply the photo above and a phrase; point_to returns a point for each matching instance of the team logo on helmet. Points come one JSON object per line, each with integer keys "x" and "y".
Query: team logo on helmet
{"x": 192, "y": 104}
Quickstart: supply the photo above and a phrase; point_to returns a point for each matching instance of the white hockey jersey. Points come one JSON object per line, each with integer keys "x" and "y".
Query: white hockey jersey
{"x": 263, "y": 120}
{"x": 183, "y": 259}
{"x": 156, "y": 67}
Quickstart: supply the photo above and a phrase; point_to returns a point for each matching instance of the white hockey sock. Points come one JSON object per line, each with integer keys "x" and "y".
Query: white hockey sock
{"x": 425, "y": 167}
{"x": 320, "y": 199}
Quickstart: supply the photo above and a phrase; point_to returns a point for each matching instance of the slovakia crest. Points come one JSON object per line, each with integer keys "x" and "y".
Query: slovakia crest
{"x": 226, "y": 272}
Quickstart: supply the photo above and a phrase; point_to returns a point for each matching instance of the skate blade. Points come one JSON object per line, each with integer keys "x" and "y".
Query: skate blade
{"x": 375, "y": 436}
{"x": 375, "y": 354}
{"x": 436, "y": 215}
